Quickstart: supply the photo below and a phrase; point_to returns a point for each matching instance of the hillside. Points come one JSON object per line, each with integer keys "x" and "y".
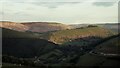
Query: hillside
{"x": 63, "y": 36}
{"x": 13, "y": 26}
{"x": 114, "y": 27}
{"x": 110, "y": 26}
{"x": 45, "y": 26}
{"x": 24, "y": 48}
{"x": 34, "y": 26}
{"x": 86, "y": 41}
{"x": 8, "y": 33}
{"x": 111, "y": 46}
{"x": 104, "y": 54}
{"x": 22, "y": 44}
{"x": 78, "y": 25}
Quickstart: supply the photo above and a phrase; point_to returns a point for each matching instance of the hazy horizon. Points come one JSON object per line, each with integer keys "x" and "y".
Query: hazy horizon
{"x": 66, "y": 12}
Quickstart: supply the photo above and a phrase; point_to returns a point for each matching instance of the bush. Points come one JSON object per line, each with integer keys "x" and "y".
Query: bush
{"x": 92, "y": 26}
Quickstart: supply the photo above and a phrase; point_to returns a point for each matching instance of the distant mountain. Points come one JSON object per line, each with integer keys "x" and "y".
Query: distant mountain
{"x": 78, "y": 25}
{"x": 110, "y": 26}
{"x": 13, "y": 26}
{"x": 34, "y": 26}
{"x": 45, "y": 26}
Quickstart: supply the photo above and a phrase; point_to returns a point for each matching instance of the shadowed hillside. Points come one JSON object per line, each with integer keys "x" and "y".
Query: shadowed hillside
{"x": 7, "y": 33}
{"x": 27, "y": 49}
{"x": 31, "y": 49}
{"x": 22, "y": 47}
{"x": 22, "y": 44}
{"x": 104, "y": 54}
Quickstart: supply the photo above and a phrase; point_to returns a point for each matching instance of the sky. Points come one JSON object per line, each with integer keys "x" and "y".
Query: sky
{"x": 62, "y": 11}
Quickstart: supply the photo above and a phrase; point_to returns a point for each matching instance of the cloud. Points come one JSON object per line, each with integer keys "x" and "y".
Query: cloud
{"x": 66, "y": 12}
{"x": 105, "y": 4}
{"x": 52, "y": 4}
{"x": 59, "y": 0}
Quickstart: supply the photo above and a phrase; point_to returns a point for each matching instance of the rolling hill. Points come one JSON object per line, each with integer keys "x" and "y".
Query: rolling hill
{"x": 45, "y": 26}
{"x": 110, "y": 26}
{"x": 22, "y": 44}
{"x": 34, "y": 26}
{"x": 8, "y": 33}
{"x": 114, "y": 27}
{"x": 63, "y": 36}
{"x": 13, "y": 26}
{"x": 28, "y": 49}
{"x": 111, "y": 46}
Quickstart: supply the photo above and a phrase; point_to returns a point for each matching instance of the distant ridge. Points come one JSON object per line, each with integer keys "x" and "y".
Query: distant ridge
{"x": 13, "y": 26}
{"x": 45, "y": 26}
{"x": 34, "y": 26}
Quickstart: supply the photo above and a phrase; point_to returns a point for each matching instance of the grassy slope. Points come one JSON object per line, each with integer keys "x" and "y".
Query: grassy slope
{"x": 67, "y": 35}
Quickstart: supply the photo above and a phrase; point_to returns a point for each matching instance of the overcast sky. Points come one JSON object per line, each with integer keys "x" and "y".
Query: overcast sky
{"x": 63, "y": 11}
